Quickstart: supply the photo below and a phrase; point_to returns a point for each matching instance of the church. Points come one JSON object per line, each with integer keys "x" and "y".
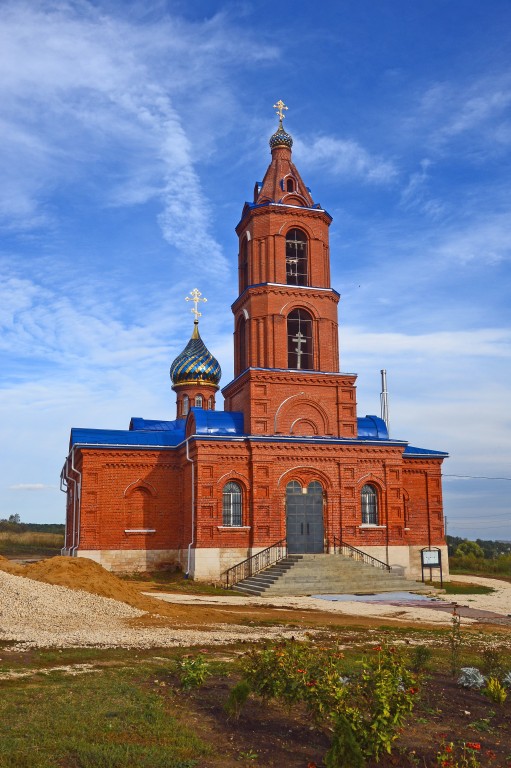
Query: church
{"x": 288, "y": 461}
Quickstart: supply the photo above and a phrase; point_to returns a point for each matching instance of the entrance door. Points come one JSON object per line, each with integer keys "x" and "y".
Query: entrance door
{"x": 304, "y": 518}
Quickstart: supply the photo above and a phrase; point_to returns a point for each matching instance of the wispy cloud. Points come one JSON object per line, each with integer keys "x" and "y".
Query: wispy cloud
{"x": 344, "y": 158}
{"x": 32, "y": 487}
{"x": 105, "y": 92}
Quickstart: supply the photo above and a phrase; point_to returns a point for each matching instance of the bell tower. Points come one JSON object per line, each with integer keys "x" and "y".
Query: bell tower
{"x": 286, "y": 354}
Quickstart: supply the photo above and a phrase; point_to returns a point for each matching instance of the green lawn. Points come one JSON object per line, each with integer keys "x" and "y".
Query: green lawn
{"x": 104, "y": 719}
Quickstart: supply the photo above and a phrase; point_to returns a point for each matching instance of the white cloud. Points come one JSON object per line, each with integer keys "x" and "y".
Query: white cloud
{"x": 96, "y": 90}
{"x": 482, "y": 342}
{"x": 31, "y": 487}
{"x": 345, "y": 158}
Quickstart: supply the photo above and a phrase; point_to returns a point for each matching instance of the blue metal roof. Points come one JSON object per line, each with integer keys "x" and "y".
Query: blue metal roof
{"x": 371, "y": 427}
{"x": 228, "y": 423}
{"x": 146, "y": 433}
{"x": 152, "y": 425}
{"x": 411, "y": 452}
{"x": 122, "y": 437}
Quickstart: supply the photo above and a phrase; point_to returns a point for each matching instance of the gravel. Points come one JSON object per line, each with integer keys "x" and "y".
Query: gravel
{"x": 38, "y": 615}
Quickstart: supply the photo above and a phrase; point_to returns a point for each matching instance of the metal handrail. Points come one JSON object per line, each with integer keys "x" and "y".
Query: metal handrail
{"x": 256, "y": 563}
{"x": 357, "y": 554}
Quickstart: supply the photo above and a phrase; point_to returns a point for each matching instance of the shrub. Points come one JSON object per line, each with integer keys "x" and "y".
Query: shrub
{"x": 192, "y": 672}
{"x": 363, "y": 711}
{"x": 470, "y": 677}
{"x": 495, "y": 691}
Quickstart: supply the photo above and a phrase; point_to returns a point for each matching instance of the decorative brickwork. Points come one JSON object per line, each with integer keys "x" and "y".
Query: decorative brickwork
{"x": 161, "y": 493}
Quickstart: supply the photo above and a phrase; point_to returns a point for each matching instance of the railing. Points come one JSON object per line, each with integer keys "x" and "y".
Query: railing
{"x": 256, "y": 563}
{"x": 357, "y": 554}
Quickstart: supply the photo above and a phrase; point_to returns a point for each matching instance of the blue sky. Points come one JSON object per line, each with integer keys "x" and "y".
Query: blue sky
{"x": 132, "y": 133}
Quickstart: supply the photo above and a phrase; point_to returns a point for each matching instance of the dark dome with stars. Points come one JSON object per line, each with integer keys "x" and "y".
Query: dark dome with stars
{"x": 195, "y": 364}
{"x": 281, "y": 138}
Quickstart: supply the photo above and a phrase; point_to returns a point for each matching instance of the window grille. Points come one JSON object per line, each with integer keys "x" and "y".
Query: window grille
{"x": 198, "y": 401}
{"x": 232, "y": 504}
{"x": 369, "y": 505}
{"x": 186, "y": 405}
{"x": 299, "y": 340}
{"x": 296, "y": 258}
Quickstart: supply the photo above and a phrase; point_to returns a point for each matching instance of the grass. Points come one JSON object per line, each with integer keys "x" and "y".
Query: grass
{"x": 458, "y": 588}
{"x": 30, "y": 542}
{"x": 167, "y": 581}
{"x": 104, "y": 719}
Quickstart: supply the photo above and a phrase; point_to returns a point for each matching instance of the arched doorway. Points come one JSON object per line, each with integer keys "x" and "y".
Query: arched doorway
{"x": 304, "y": 518}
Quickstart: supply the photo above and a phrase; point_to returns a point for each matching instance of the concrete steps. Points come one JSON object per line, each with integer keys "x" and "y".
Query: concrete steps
{"x": 327, "y": 575}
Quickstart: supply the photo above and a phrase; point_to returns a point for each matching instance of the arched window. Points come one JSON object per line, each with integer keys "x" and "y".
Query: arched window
{"x": 293, "y": 487}
{"x": 211, "y": 403}
{"x": 186, "y": 405}
{"x": 244, "y": 264}
{"x": 299, "y": 340}
{"x": 296, "y": 258}
{"x": 198, "y": 401}
{"x": 369, "y": 505}
{"x": 232, "y": 505}
{"x": 241, "y": 342}
{"x": 290, "y": 185}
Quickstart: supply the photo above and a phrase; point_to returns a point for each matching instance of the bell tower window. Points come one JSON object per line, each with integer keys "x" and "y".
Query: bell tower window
{"x": 241, "y": 339}
{"x": 296, "y": 257}
{"x": 290, "y": 185}
{"x": 244, "y": 264}
{"x": 299, "y": 340}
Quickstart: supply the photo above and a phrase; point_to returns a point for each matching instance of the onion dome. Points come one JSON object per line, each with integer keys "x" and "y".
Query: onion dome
{"x": 281, "y": 138}
{"x": 195, "y": 364}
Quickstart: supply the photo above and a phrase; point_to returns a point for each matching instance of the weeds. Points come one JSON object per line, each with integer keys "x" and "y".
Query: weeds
{"x": 455, "y": 640}
{"x": 193, "y": 671}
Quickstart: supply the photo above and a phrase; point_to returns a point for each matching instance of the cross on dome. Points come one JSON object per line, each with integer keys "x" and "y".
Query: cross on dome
{"x": 280, "y": 106}
{"x": 195, "y": 297}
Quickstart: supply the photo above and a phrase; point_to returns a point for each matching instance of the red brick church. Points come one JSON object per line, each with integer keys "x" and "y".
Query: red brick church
{"x": 287, "y": 460}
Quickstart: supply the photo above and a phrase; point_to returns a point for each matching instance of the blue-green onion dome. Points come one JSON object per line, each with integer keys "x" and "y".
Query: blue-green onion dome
{"x": 195, "y": 364}
{"x": 281, "y": 138}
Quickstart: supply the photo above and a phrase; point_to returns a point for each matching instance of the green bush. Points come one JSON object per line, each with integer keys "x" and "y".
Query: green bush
{"x": 363, "y": 711}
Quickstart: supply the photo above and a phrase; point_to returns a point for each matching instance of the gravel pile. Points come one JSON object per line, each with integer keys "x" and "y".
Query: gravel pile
{"x": 35, "y": 614}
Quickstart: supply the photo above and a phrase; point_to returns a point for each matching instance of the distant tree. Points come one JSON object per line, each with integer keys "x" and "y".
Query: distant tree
{"x": 14, "y": 519}
{"x": 467, "y": 548}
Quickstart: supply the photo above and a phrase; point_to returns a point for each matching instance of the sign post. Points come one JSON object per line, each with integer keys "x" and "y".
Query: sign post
{"x": 431, "y": 558}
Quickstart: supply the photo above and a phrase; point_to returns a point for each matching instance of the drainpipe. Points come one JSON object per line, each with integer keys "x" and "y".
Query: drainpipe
{"x": 76, "y": 500}
{"x": 64, "y": 488}
{"x": 190, "y": 545}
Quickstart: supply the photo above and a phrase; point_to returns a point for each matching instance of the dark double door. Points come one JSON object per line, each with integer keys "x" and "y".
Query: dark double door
{"x": 304, "y": 518}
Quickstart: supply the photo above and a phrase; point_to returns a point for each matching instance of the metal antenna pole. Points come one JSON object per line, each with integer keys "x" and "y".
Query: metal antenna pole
{"x": 384, "y": 399}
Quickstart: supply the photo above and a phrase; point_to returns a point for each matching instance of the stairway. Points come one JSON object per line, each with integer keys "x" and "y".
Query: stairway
{"x": 325, "y": 575}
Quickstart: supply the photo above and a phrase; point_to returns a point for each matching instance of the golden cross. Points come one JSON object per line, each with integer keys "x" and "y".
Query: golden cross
{"x": 280, "y": 106}
{"x": 196, "y": 297}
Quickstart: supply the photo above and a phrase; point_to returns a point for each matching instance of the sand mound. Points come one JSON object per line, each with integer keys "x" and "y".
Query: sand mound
{"x": 89, "y": 576}
{"x": 9, "y": 567}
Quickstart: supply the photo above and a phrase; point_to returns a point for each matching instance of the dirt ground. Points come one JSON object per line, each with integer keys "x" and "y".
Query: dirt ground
{"x": 274, "y": 737}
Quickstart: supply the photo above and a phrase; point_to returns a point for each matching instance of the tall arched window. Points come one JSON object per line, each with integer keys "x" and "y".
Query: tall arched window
{"x": 243, "y": 264}
{"x": 296, "y": 258}
{"x": 299, "y": 340}
{"x": 241, "y": 341}
{"x": 290, "y": 185}
{"x": 369, "y": 505}
{"x": 198, "y": 401}
{"x": 211, "y": 403}
{"x": 186, "y": 405}
{"x": 232, "y": 505}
